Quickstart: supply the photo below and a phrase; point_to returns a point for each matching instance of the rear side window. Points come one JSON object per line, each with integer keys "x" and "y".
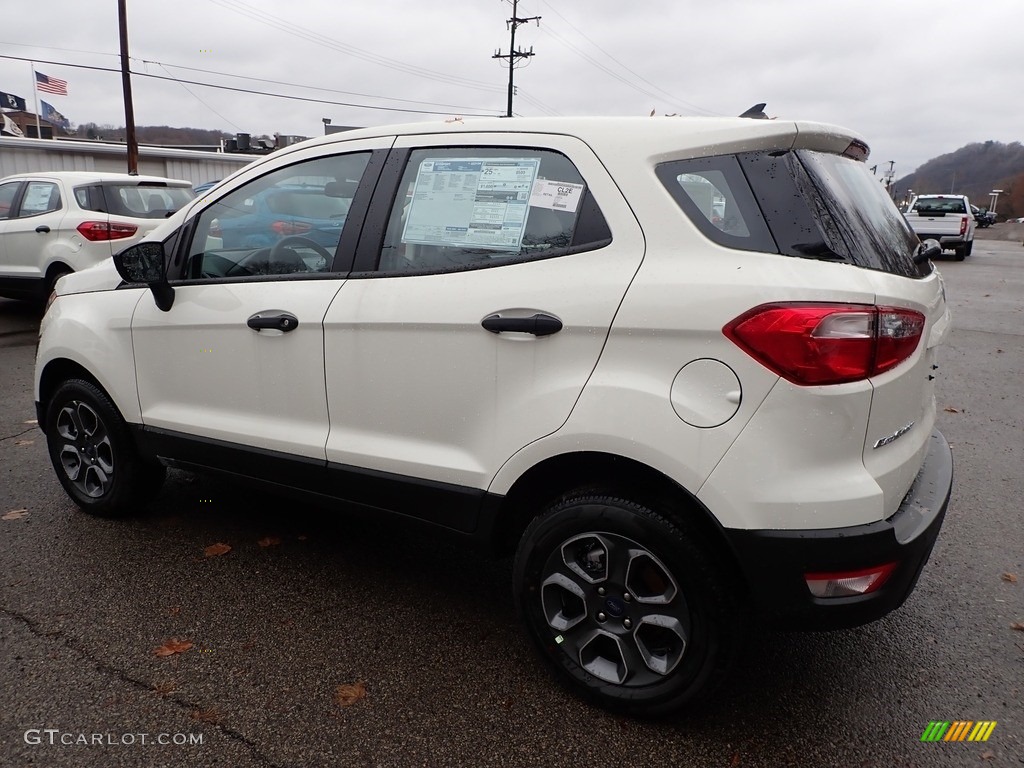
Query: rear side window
{"x": 714, "y": 194}
{"x": 472, "y": 207}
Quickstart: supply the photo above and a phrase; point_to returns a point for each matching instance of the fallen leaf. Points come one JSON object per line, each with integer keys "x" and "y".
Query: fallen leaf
{"x": 206, "y": 716}
{"x": 172, "y": 647}
{"x": 1010, "y": 577}
{"x": 349, "y": 694}
{"x": 987, "y": 295}
{"x": 15, "y": 514}
{"x": 24, "y": 442}
{"x": 174, "y": 610}
{"x": 165, "y": 687}
{"x": 217, "y": 549}
{"x": 735, "y": 760}
{"x": 999, "y": 350}
{"x": 988, "y": 754}
{"x": 1018, "y": 625}
{"x": 269, "y": 541}
{"x": 951, "y": 409}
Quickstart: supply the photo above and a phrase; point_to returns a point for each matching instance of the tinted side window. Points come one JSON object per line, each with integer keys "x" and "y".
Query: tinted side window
{"x": 472, "y": 207}
{"x": 40, "y": 197}
{"x": 8, "y": 192}
{"x": 714, "y": 195}
{"x": 288, "y": 221}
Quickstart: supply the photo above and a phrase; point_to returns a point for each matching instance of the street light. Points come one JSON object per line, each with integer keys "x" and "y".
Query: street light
{"x": 994, "y": 194}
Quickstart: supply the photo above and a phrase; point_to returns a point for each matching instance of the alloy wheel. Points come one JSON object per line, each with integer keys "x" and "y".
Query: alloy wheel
{"x": 615, "y": 609}
{"x": 86, "y": 454}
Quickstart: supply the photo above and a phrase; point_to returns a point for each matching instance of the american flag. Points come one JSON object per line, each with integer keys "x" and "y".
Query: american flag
{"x": 51, "y": 84}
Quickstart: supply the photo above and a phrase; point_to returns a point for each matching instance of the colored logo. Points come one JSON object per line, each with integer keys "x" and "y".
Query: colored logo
{"x": 958, "y": 730}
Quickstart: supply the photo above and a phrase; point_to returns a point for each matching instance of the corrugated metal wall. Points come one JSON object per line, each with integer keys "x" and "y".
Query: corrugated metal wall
{"x": 35, "y": 155}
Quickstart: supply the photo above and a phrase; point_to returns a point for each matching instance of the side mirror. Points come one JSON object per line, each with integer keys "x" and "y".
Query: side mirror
{"x": 144, "y": 263}
{"x": 929, "y": 249}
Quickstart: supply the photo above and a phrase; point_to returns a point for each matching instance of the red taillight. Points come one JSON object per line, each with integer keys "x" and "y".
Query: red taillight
{"x": 849, "y": 583}
{"x": 963, "y": 225}
{"x": 811, "y": 344}
{"x": 95, "y": 231}
{"x": 285, "y": 228}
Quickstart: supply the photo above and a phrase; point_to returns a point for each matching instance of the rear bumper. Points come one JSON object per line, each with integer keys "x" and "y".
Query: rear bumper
{"x": 774, "y": 561}
{"x": 946, "y": 241}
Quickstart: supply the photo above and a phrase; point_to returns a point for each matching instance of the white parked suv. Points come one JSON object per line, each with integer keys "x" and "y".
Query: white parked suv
{"x": 56, "y": 222}
{"x": 683, "y": 368}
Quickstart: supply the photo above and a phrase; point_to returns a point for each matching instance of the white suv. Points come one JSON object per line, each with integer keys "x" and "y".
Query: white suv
{"x": 56, "y": 222}
{"x": 683, "y": 368}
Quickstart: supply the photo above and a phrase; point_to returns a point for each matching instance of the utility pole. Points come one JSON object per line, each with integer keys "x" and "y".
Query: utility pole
{"x": 889, "y": 176}
{"x": 513, "y": 54}
{"x": 126, "y": 86}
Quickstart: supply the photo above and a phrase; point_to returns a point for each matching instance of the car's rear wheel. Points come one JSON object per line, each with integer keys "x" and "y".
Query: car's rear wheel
{"x": 93, "y": 453}
{"x": 631, "y": 609}
{"x": 960, "y": 252}
{"x": 968, "y": 248}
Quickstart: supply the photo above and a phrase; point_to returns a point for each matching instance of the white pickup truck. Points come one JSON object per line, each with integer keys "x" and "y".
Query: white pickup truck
{"x": 946, "y": 218}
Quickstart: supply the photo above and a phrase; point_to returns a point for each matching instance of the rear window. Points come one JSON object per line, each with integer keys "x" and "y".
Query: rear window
{"x": 140, "y": 201}
{"x": 939, "y": 205}
{"x": 805, "y": 204}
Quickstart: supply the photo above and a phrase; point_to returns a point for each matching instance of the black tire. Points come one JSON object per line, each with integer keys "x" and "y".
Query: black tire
{"x": 616, "y": 641}
{"x": 960, "y": 252}
{"x": 51, "y": 281}
{"x": 968, "y": 248}
{"x": 93, "y": 453}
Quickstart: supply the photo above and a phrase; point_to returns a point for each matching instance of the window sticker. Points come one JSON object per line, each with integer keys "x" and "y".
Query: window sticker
{"x": 37, "y": 198}
{"x": 471, "y": 202}
{"x": 557, "y": 195}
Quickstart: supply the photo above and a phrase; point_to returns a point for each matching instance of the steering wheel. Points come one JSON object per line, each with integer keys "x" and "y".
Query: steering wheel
{"x": 284, "y": 242}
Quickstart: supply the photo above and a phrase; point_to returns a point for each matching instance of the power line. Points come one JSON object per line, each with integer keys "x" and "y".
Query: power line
{"x": 615, "y": 75}
{"x": 250, "y": 91}
{"x": 283, "y": 25}
{"x": 164, "y": 65}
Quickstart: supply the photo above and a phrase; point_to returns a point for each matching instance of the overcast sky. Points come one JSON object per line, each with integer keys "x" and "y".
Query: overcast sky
{"x": 917, "y": 78}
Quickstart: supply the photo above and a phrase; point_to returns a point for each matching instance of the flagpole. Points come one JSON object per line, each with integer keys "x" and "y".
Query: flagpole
{"x": 35, "y": 96}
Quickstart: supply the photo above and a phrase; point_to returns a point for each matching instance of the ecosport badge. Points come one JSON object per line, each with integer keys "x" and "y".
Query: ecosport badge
{"x": 894, "y": 436}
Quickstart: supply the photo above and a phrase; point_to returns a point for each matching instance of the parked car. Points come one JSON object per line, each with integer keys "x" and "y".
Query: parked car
{"x": 683, "y": 368}
{"x": 947, "y": 219}
{"x": 199, "y": 189}
{"x": 285, "y": 210}
{"x": 57, "y": 222}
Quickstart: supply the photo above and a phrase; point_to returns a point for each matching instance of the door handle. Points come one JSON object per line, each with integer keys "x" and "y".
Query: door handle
{"x": 541, "y": 324}
{"x": 42, "y": 229}
{"x": 272, "y": 319}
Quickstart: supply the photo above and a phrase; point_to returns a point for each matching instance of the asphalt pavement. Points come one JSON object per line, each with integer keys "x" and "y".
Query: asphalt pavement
{"x": 322, "y": 640}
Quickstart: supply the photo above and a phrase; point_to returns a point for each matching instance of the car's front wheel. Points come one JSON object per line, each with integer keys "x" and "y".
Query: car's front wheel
{"x": 631, "y": 609}
{"x": 93, "y": 453}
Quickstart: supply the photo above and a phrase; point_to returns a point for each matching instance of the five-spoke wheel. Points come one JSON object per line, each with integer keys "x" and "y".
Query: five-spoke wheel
{"x": 93, "y": 452}
{"x": 629, "y": 606}
{"x": 86, "y": 456}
